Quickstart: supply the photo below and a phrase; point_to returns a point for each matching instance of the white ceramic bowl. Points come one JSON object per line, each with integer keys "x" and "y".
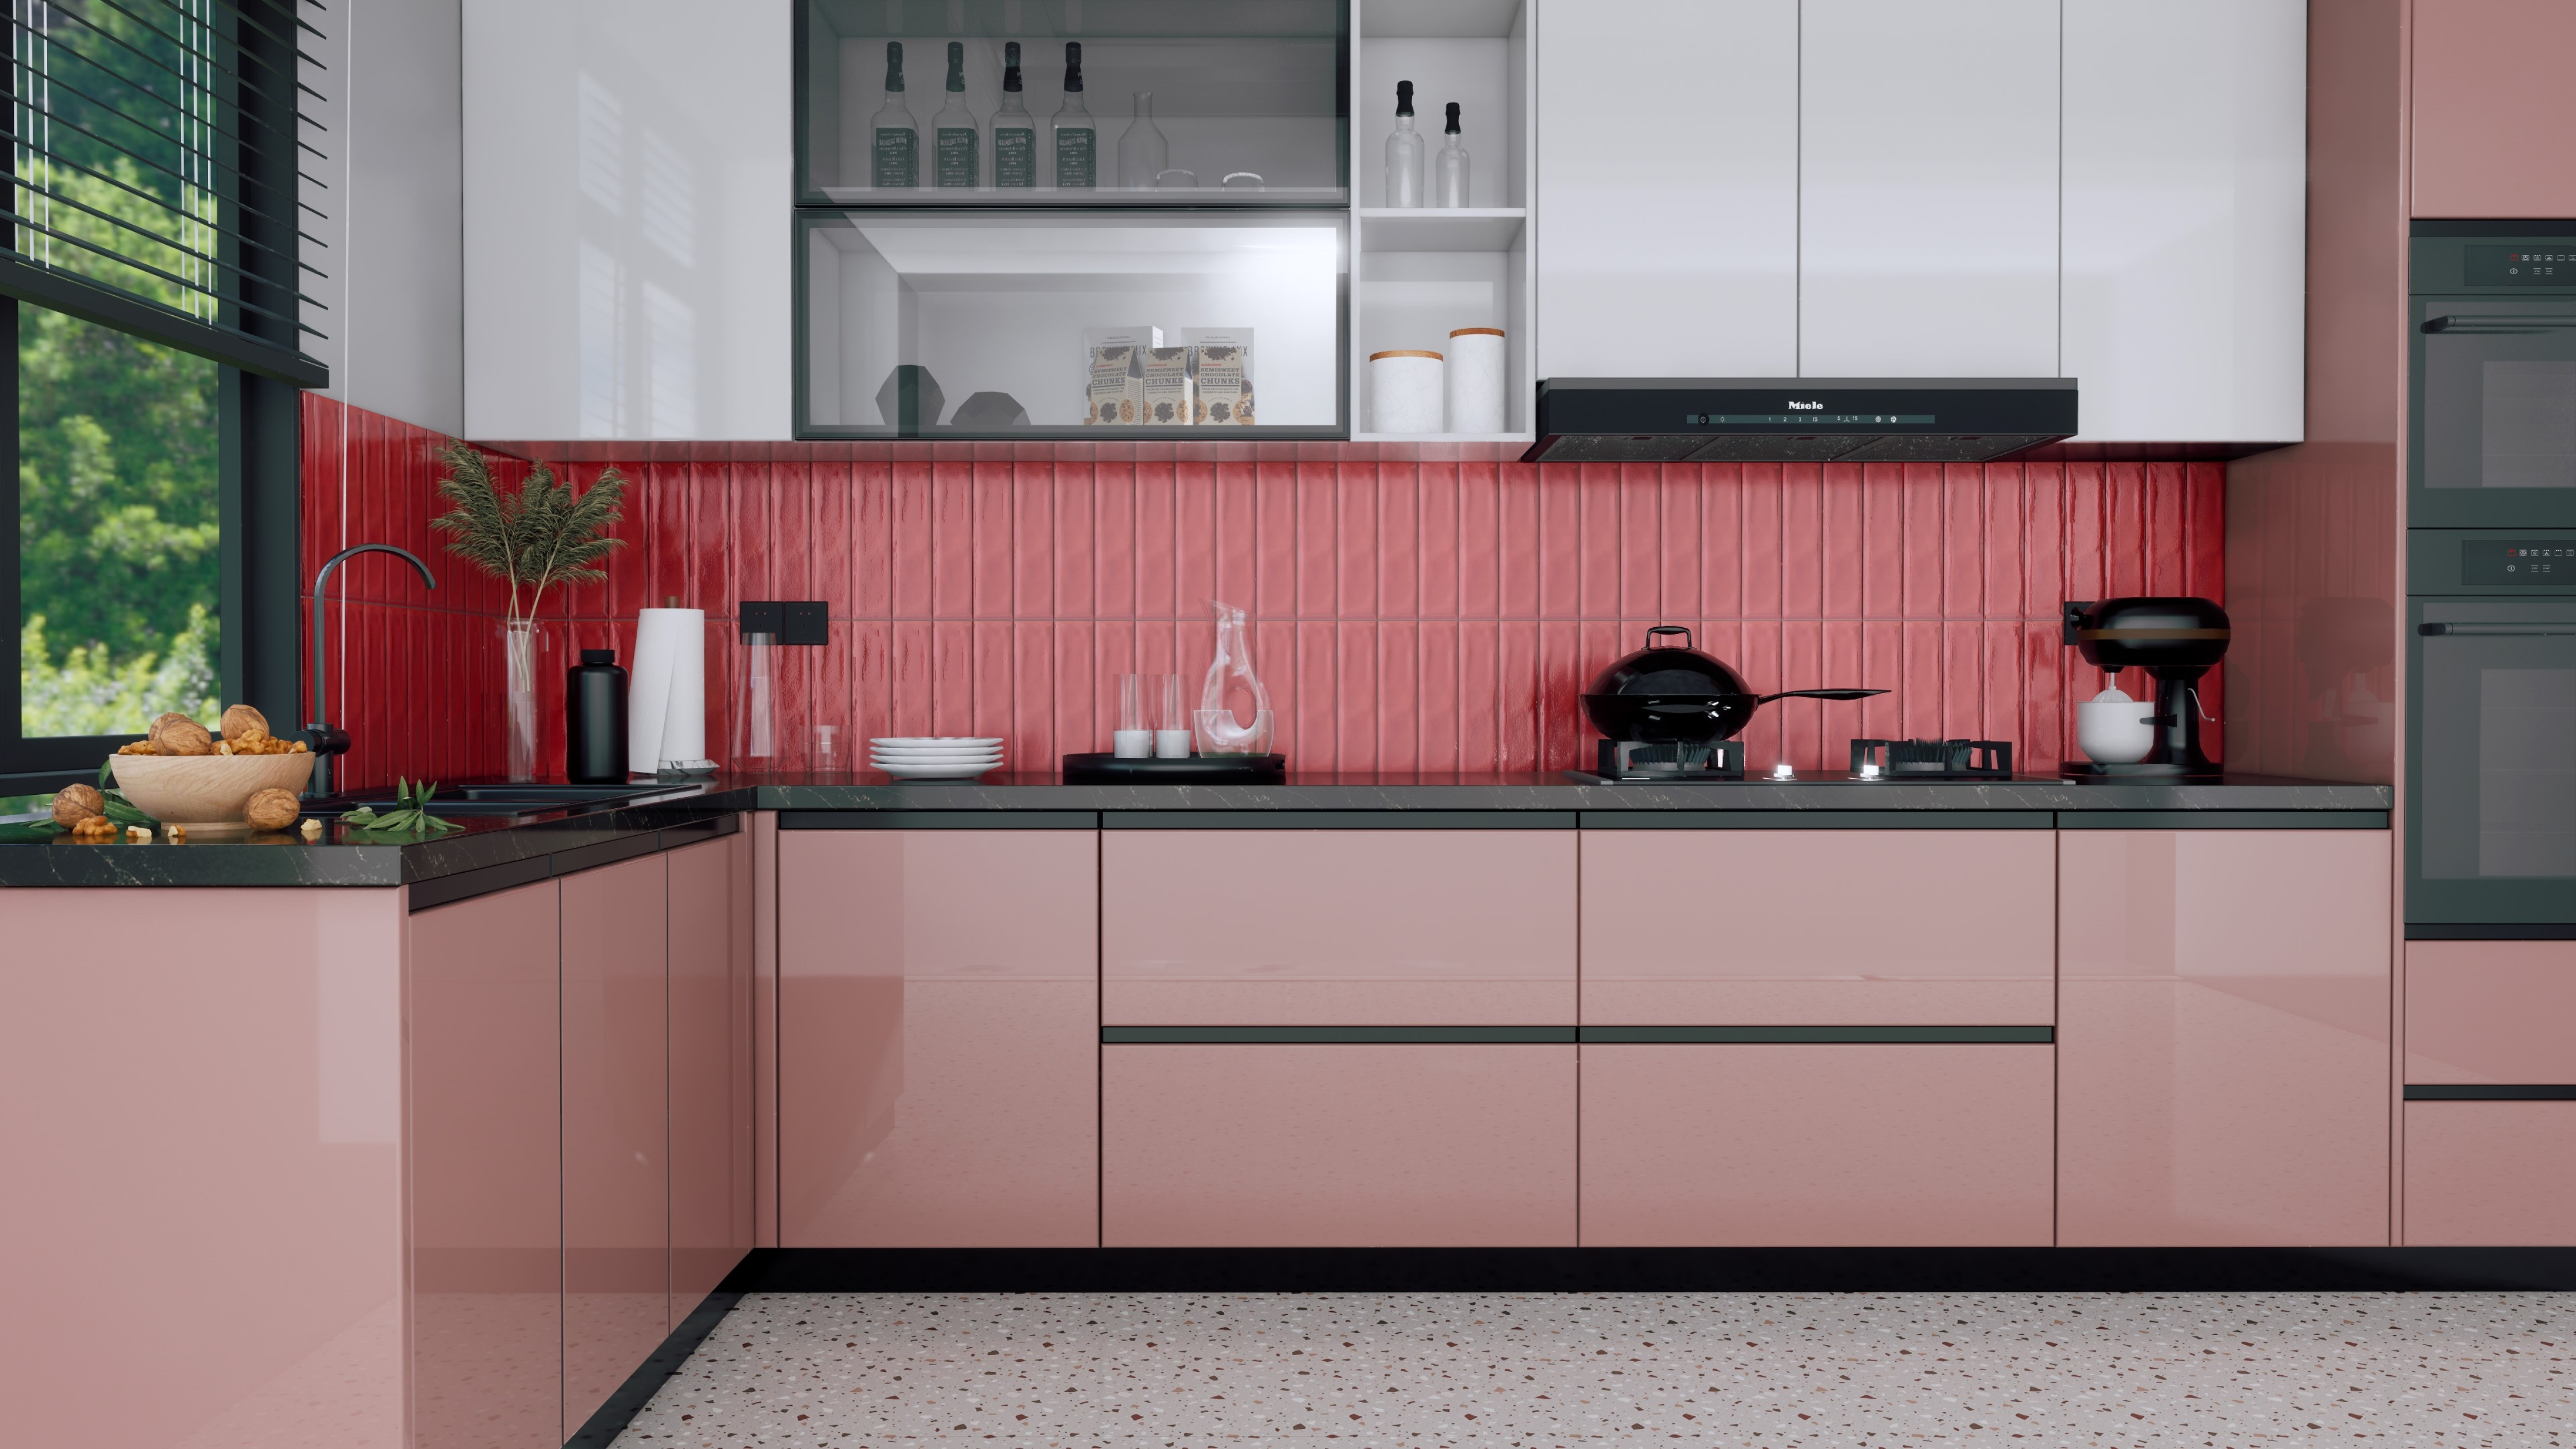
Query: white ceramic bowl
{"x": 943, "y": 755}
{"x": 938, "y": 741}
{"x": 904, "y": 771}
{"x": 2115, "y": 731}
{"x": 206, "y": 793}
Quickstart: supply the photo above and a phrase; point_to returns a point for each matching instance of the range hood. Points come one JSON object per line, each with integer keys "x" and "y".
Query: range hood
{"x": 1798, "y": 420}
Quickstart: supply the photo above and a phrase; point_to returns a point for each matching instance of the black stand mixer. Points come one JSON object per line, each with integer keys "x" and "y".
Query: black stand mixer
{"x": 2176, "y": 640}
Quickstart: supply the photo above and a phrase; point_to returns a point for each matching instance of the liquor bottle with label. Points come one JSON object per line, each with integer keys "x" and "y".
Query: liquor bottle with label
{"x": 895, "y": 135}
{"x": 1142, "y": 152}
{"x": 1015, "y": 131}
{"x": 1404, "y": 152}
{"x": 1449, "y": 168}
{"x": 960, "y": 141}
{"x": 1076, "y": 141}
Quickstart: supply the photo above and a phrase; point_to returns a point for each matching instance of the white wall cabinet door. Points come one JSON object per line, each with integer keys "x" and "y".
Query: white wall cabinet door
{"x": 2186, "y": 201}
{"x": 627, "y": 180}
{"x": 1668, "y": 184}
{"x": 1927, "y": 188}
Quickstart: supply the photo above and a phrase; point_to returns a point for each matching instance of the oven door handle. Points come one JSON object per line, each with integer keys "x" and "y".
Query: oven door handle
{"x": 2500, "y": 324}
{"x": 2496, "y": 631}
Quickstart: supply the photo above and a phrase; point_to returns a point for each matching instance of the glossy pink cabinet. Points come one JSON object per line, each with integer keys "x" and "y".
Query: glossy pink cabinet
{"x": 1818, "y": 927}
{"x": 2486, "y": 75}
{"x": 2223, "y": 1037}
{"x": 202, "y": 1208}
{"x": 1337, "y": 1146}
{"x": 616, "y": 1127}
{"x": 486, "y": 1173}
{"x": 1337, "y": 927}
{"x": 938, "y": 1038}
{"x": 2491, "y": 1011}
{"x": 711, "y": 1066}
{"x": 1794, "y": 1145}
{"x": 2491, "y": 1174}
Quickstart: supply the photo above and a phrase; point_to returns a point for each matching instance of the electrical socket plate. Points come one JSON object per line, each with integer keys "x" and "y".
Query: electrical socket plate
{"x": 809, "y": 621}
{"x": 762, "y": 616}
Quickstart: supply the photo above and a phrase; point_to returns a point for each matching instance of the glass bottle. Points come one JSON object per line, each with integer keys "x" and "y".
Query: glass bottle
{"x": 1015, "y": 131}
{"x": 1404, "y": 153}
{"x": 959, "y": 140}
{"x": 894, "y": 135}
{"x": 1449, "y": 168}
{"x": 1074, "y": 140}
{"x": 1221, "y": 730}
{"x": 1142, "y": 152}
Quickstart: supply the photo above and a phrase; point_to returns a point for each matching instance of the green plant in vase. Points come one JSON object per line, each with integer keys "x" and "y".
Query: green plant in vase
{"x": 531, "y": 537}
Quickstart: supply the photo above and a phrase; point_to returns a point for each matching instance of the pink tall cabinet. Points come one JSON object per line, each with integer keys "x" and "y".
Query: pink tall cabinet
{"x": 2223, "y": 1037}
{"x": 2489, "y": 76}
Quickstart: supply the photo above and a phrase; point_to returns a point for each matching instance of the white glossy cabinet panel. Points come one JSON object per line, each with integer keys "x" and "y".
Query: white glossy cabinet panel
{"x": 1667, "y": 216}
{"x": 1927, "y": 193}
{"x": 627, "y": 169}
{"x": 2185, "y": 213}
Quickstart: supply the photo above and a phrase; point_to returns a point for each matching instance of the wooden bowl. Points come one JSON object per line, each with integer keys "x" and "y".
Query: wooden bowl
{"x": 206, "y": 793}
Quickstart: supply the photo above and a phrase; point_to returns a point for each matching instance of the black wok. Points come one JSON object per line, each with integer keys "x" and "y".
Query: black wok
{"x": 1676, "y": 693}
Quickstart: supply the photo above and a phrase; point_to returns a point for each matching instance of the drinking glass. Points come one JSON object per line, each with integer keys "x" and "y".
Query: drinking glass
{"x": 1172, "y": 725}
{"x": 1134, "y": 737}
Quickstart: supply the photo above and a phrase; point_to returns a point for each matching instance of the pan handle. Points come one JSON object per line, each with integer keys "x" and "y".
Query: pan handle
{"x": 1668, "y": 629}
{"x": 1820, "y": 694}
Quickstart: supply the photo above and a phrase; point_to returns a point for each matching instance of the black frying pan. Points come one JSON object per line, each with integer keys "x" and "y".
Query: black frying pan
{"x": 1676, "y": 693}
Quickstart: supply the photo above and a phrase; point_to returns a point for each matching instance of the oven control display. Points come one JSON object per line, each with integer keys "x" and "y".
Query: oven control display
{"x": 2520, "y": 266}
{"x": 2504, "y": 561}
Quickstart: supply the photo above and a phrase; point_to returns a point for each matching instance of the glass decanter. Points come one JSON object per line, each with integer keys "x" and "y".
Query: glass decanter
{"x": 1220, "y": 731}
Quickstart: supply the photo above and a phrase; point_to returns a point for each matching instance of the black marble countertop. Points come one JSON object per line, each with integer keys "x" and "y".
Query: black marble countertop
{"x": 571, "y": 838}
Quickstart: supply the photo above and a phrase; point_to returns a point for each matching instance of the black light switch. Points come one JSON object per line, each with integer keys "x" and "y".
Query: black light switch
{"x": 809, "y": 621}
{"x": 762, "y": 616}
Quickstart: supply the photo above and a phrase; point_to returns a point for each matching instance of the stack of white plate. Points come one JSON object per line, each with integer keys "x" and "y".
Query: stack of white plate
{"x": 934, "y": 757}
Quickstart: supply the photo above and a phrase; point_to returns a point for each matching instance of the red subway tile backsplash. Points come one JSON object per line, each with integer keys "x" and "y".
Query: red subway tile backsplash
{"x": 1441, "y": 614}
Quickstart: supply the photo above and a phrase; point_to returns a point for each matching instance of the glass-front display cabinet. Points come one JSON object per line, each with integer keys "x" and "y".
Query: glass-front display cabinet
{"x": 1081, "y": 103}
{"x": 1073, "y": 219}
{"x": 1058, "y": 324}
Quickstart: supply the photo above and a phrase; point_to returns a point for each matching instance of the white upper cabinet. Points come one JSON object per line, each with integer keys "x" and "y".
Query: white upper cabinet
{"x": 1927, "y": 196}
{"x": 2186, "y": 193}
{"x": 627, "y": 199}
{"x": 1668, "y": 189}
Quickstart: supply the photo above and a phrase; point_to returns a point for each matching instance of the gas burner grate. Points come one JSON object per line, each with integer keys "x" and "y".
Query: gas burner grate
{"x": 1934, "y": 759}
{"x": 1667, "y": 760}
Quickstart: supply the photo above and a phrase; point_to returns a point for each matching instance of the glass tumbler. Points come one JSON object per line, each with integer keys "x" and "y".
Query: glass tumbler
{"x": 1171, "y": 720}
{"x": 1134, "y": 737}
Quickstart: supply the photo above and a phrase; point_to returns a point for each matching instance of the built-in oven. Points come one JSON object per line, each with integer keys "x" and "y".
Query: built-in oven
{"x": 2492, "y": 375}
{"x": 2491, "y": 733}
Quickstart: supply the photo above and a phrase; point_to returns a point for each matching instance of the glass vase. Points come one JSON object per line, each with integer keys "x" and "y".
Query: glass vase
{"x": 1221, "y": 731}
{"x": 519, "y": 653}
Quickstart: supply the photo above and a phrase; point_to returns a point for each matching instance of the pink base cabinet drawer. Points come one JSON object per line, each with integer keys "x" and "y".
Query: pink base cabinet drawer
{"x": 1316, "y": 1146}
{"x": 1822, "y": 928}
{"x": 1817, "y": 1146}
{"x": 2491, "y": 1174}
{"x": 1337, "y": 927}
{"x": 2490, "y": 1011}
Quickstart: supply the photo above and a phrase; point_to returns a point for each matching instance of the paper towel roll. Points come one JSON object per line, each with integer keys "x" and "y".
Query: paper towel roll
{"x": 1404, "y": 392}
{"x": 666, "y": 709}
{"x": 1476, "y": 375}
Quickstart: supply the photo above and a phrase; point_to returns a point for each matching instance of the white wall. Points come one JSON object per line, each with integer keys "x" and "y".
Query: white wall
{"x": 627, "y": 198}
{"x": 391, "y": 193}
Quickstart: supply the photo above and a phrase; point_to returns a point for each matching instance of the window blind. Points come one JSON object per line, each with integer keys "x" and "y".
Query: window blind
{"x": 156, "y": 151}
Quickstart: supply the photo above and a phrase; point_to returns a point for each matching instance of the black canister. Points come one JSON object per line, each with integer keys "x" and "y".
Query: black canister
{"x": 595, "y": 720}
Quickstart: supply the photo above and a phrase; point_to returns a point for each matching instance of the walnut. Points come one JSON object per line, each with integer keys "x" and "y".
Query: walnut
{"x": 95, "y": 828}
{"x": 161, "y": 722}
{"x": 183, "y": 736}
{"x": 298, "y": 749}
{"x": 272, "y": 809}
{"x": 76, "y": 803}
{"x": 241, "y": 720}
{"x": 139, "y": 747}
{"x": 312, "y": 829}
{"x": 137, "y": 835}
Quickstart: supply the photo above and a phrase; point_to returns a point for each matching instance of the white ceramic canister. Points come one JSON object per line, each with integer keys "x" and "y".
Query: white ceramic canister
{"x": 1476, "y": 376}
{"x": 1405, "y": 391}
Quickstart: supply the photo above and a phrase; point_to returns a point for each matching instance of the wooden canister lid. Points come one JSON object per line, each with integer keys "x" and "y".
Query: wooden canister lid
{"x": 1434, "y": 356}
{"x": 1476, "y": 332}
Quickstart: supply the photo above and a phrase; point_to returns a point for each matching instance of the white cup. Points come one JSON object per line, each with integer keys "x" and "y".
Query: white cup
{"x": 1131, "y": 744}
{"x": 1171, "y": 744}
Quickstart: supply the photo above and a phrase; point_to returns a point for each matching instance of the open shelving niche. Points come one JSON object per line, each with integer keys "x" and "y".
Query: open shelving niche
{"x": 1417, "y": 273}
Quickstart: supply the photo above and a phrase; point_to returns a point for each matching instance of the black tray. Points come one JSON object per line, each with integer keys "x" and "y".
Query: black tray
{"x": 1196, "y": 770}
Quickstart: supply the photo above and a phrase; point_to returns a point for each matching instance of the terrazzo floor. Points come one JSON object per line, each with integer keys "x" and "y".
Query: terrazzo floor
{"x": 1883, "y": 1371}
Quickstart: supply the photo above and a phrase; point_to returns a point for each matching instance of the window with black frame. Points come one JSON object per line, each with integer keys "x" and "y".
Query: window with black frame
{"x": 152, "y": 291}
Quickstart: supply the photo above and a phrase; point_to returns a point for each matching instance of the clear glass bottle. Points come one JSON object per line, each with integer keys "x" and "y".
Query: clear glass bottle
{"x": 1073, "y": 140}
{"x": 894, "y": 136}
{"x": 1449, "y": 168}
{"x": 1404, "y": 153}
{"x": 1142, "y": 152}
{"x": 959, "y": 155}
{"x": 1015, "y": 131}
